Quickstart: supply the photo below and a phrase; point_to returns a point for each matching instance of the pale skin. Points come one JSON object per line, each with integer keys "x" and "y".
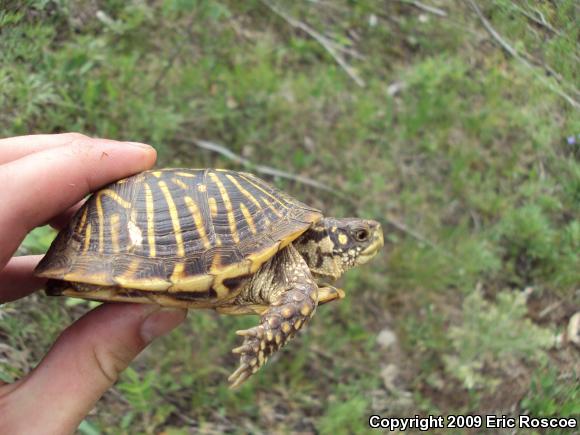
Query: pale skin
{"x": 43, "y": 179}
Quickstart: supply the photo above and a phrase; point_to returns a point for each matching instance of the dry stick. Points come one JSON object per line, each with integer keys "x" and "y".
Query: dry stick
{"x": 268, "y": 170}
{"x": 551, "y": 71}
{"x": 542, "y": 22}
{"x": 403, "y": 228}
{"x": 425, "y": 8}
{"x": 539, "y": 21}
{"x": 227, "y": 153}
{"x": 512, "y": 51}
{"x": 326, "y": 43}
{"x": 549, "y": 309}
{"x": 556, "y": 31}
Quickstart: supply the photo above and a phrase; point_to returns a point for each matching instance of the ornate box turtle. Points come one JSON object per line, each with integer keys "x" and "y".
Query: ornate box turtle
{"x": 209, "y": 238}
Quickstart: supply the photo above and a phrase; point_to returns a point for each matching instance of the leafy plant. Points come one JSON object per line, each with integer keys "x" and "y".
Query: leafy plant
{"x": 347, "y": 416}
{"x": 146, "y": 404}
{"x": 552, "y": 395}
{"x": 494, "y": 335}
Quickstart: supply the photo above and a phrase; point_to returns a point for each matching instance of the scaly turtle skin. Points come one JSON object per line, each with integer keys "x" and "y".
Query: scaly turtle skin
{"x": 209, "y": 238}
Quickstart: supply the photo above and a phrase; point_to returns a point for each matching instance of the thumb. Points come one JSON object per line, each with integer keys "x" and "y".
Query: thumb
{"x": 83, "y": 363}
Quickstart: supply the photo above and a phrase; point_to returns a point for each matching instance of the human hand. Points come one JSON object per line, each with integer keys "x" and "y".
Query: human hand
{"x": 42, "y": 180}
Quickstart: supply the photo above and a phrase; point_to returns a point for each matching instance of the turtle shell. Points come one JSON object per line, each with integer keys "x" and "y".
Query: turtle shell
{"x": 177, "y": 230}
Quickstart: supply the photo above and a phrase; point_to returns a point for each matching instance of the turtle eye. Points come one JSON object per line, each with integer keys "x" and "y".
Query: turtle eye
{"x": 361, "y": 235}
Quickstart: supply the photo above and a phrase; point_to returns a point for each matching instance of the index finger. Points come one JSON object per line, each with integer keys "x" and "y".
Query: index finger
{"x": 39, "y": 186}
{"x": 13, "y": 148}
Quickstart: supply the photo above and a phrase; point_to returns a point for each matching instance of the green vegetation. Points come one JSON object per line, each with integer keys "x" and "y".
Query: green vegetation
{"x": 468, "y": 155}
{"x": 493, "y": 335}
{"x": 549, "y": 396}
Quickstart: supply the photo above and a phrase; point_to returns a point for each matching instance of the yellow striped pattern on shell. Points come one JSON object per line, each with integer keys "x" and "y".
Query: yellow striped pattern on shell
{"x": 177, "y": 230}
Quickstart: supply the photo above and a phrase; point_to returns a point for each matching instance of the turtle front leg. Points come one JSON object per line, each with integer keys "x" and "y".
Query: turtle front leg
{"x": 289, "y": 312}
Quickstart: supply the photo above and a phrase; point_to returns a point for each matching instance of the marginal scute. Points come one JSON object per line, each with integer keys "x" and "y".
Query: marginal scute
{"x": 96, "y": 278}
{"x": 152, "y": 284}
{"x": 232, "y": 271}
{"x": 104, "y": 294}
{"x": 260, "y": 258}
{"x": 193, "y": 283}
{"x": 290, "y": 238}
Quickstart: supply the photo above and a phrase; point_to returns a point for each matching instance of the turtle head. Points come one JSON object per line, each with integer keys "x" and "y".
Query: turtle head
{"x": 332, "y": 246}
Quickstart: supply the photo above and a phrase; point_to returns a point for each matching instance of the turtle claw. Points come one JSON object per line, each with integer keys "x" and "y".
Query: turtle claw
{"x": 278, "y": 325}
{"x": 239, "y": 376}
{"x": 329, "y": 293}
{"x": 251, "y": 355}
{"x": 256, "y": 331}
{"x": 244, "y": 348}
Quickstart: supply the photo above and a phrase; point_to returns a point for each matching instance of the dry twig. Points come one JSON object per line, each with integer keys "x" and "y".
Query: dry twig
{"x": 331, "y": 47}
{"x": 513, "y": 52}
{"x": 550, "y": 308}
{"x": 425, "y": 8}
{"x": 541, "y": 21}
{"x": 268, "y": 170}
{"x": 263, "y": 169}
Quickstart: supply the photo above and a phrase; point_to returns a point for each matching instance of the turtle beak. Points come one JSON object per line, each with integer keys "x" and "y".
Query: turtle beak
{"x": 377, "y": 241}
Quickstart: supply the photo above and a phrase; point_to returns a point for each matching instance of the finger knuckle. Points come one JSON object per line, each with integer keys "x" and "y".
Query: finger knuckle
{"x": 110, "y": 363}
{"x": 80, "y": 146}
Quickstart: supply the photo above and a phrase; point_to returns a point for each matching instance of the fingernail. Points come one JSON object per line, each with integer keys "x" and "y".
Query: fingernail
{"x": 139, "y": 144}
{"x": 160, "y": 322}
